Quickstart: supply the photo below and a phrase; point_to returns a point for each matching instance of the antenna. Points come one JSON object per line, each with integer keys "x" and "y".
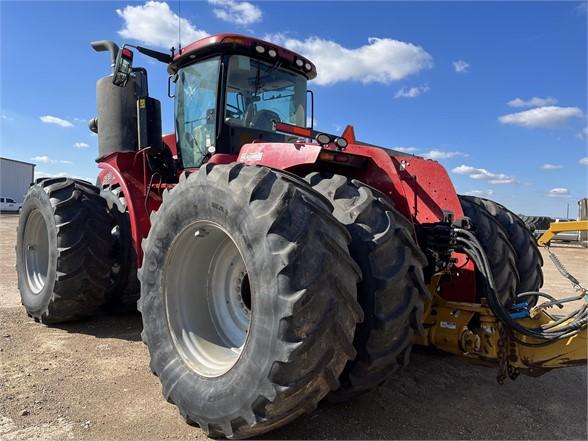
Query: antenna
{"x": 180, "y": 27}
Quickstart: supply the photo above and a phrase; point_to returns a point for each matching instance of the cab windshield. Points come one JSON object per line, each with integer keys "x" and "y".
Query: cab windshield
{"x": 259, "y": 93}
{"x": 196, "y": 93}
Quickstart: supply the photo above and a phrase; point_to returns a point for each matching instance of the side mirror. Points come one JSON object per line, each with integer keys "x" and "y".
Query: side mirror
{"x": 123, "y": 67}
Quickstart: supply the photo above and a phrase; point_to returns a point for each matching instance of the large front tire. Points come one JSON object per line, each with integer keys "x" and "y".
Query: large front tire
{"x": 63, "y": 251}
{"x": 392, "y": 291}
{"x": 248, "y": 297}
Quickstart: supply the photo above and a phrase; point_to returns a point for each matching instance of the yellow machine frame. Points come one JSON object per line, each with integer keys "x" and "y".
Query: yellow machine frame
{"x": 559, "y": 227}
{"x": 471, "y": 330}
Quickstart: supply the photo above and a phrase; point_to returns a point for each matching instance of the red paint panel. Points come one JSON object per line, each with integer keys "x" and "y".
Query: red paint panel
{"x": 428, "y": 189}
{"x": 460, "y": 285}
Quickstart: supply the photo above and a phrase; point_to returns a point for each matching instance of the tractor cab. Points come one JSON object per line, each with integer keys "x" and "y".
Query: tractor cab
{"x": 229, "y": 91}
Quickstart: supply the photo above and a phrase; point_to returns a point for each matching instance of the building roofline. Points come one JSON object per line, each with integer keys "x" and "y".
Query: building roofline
{"x": 16, "y": 160}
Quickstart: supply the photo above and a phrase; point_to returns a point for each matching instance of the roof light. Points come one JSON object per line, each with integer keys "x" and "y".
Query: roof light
{"x": 259, "y": 49}
{"x": 299, "y": 62}
{"x": 323, "y": 139}
{"x": 341, "y": 142}
{"x": 272, "y": 53}
{"x": 308, "y": 66}
{"x": 235, "y": 40}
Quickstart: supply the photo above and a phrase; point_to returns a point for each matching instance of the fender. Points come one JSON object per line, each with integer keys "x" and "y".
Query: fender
{"x": 294, "y": 157}
{"x": 127, "y": 171}
{"x": 420, "y": 188}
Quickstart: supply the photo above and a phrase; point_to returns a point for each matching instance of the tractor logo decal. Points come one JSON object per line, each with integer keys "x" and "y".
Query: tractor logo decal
{"x": 252, "y": 156}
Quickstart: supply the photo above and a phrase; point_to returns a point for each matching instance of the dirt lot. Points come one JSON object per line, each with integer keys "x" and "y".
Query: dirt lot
{"x": 91, "y": 381}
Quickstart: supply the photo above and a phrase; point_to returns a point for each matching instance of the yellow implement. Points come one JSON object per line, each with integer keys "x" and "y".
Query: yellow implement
{"x": 559, "y": 227}
{"x": 471, "y": 330}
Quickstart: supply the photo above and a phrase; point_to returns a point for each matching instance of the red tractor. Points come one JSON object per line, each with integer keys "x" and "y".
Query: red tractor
{"x": 273, "y": 265}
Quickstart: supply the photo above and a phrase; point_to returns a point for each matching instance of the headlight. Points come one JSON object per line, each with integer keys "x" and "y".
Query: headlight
{"x": 341, "y": 142}
{"x": 323, "y": 139}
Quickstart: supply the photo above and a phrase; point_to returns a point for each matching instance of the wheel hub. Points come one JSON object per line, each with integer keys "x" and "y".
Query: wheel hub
{"x": 36, "y": 251}
{"x": 208, "y": 298}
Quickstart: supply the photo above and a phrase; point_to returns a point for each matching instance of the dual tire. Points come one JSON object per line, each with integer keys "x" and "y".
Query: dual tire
{"x": 511, "y": 249}
{"x": 302, "y": 247}
{"x": 392, "y": 290}
{"x": 63, "y": 250}
{"x": 251, "y": 362}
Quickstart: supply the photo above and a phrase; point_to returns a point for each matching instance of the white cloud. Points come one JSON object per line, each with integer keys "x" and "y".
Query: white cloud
{"x": 156, "y": 24}
{"x": 558, "y": 192}
{"x": 47, "y": 160}
{"x": 42, "y": 174}
{"x": 533, "y": 102}
{"x": 382, "y": 60}
{"x": 439, "y": 154}
{"x": 544, "y": 117}
{"x": 6, "y": 117}
{"x": 239, "y": 13}
{"x": 461, "y": 66}
{"x": 583, "y": 134}
{"x": 405, "y": 149}
{"x": 48, "y": 119}
{"x": 81, "y": 145}
{"x": 551, "y": 166}
{"x": 411, "y": 92}
{"x": 483, "y": 174}
{"x": 584, "y": 160}
{"x": 480, "y": 193}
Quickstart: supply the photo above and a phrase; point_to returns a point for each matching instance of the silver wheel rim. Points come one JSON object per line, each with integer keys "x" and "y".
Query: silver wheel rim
{"x": 36, "y": 251}
{"x": 207, "y": 298}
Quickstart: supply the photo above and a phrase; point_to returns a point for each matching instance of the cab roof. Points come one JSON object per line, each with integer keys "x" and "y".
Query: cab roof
{"x": 241, "y": 44}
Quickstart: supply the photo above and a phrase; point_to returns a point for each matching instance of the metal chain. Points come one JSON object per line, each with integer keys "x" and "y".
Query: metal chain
{"x": 564, "y": 272}
{"x": 505, "y": 369}
{"x": 502, "y": 355}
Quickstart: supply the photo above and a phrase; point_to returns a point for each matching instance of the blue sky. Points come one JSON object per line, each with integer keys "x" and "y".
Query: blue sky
{"x": 496, "y": 91}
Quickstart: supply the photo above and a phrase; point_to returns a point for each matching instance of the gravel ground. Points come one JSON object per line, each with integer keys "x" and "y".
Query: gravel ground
{"x": 91, "y": 381}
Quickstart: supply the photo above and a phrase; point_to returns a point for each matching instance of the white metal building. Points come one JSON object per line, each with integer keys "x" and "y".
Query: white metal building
{"x": 15, "y": 178}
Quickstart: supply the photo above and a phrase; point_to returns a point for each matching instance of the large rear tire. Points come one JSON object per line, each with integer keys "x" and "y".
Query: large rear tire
{"x": 392, "y": 291}
{"x": 529, "y": 260}
{"x": 501, "y": 254}
{"x": 63, "y": 250}
{"x": 248, "y": 297}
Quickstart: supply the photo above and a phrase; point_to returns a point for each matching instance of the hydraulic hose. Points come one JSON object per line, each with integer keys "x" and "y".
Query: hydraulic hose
{"x": 468, "y": 244}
